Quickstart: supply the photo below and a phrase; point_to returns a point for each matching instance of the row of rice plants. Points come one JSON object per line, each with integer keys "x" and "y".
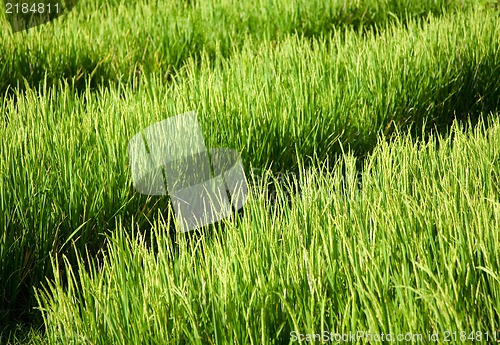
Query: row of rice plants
{"x": 413, "y": 250}
{"x": 119, "y": 40}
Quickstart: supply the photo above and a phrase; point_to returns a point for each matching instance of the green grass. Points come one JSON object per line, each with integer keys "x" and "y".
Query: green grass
{"x": 290, "y": 90}
{"x": 413, "y": 249}
{"x": 106, "y": 42}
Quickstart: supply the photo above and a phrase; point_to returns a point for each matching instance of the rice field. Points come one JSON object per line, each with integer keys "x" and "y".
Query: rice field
{"x": 370, "y": 137}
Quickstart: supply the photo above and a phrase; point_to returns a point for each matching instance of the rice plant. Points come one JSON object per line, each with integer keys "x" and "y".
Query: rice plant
{"x": 112, "y": 41}
{"x": 354, "y": 100}
{"x": 413, "y": 249}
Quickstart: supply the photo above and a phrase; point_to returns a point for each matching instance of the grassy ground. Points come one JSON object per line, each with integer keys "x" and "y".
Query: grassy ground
{"x": 105, "y": 42}
{"x": 393, "y": 230}
{"x": 413, "y": 249}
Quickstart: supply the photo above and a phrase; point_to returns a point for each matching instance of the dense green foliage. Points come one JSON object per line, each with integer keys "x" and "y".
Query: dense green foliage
{"x": 103, "y": 42}
{"x": 394, "y": 226}
{"x": 414, "y": 248}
